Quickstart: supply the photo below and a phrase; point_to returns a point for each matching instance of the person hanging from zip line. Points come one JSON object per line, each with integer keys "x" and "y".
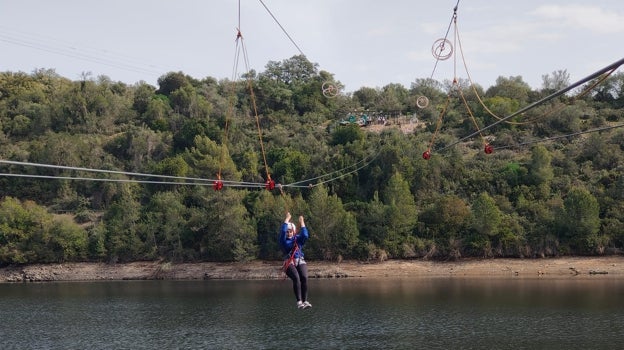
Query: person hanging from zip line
{"x": 291, "y": 243}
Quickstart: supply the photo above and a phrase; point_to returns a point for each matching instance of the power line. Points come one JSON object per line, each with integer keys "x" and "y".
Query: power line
{"x": 63, "y": 48}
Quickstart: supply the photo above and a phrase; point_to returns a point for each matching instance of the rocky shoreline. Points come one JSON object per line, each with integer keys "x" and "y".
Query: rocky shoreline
{"x": 612, "y": 266}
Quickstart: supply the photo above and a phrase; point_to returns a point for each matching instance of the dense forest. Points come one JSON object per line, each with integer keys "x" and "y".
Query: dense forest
{"x": 553, "y": 185}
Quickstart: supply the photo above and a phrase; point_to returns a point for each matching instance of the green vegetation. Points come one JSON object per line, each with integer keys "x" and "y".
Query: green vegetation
{"x": 537, "y": 195}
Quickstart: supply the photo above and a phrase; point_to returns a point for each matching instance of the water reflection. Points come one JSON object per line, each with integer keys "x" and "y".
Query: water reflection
{"x": 449, "y": 313}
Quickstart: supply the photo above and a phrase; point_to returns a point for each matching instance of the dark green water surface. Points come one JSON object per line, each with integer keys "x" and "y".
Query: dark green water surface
{"x": 439, "y": 313}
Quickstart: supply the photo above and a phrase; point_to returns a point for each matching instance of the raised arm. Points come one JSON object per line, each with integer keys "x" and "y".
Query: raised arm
{"x": 303, "y": 234}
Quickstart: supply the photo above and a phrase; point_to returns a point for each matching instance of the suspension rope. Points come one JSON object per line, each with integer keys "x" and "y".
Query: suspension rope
{"x": 485, "y": 107}
{"x": 443, "y": 41}
{"x": 270, "y": 184}
{"x": 488, "y": 149}
{"x": 283, "y": 30}
{"x": 472, "y": 84}
{"x": 472, "y": 117}
{"x": 427, "y": 153}
{"x": 218, "y": 185}
{"x": 562, "y": 136}
{"x": 331, "y": 175}
{"x": 594, "y": 75}
{"x": 602, "y": 75}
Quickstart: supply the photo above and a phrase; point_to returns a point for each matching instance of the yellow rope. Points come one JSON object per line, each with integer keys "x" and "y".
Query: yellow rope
{"x": 474, "y": 89}
{"x": 255, "y": 110}
{"x": 472, "y": 117}
{"x": 437, "y": 129}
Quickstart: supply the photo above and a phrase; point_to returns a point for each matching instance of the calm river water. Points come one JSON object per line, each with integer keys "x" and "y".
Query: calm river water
{"x": 439, "y": 313}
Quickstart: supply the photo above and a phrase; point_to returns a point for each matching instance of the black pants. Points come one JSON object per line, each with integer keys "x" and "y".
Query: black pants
{"x": 299, "y": 277}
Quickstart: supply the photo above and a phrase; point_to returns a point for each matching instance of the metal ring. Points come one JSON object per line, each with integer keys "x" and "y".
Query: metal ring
{"x": 440, "y": 48}
{"x": 329, "y": 90}
{"x": 422, "y": 102}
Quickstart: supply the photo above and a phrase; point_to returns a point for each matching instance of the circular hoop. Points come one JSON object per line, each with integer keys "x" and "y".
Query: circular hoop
{"x": 329, "y": 90}
{"x": 442, "y": 49}
{"x": 422, "y": 102}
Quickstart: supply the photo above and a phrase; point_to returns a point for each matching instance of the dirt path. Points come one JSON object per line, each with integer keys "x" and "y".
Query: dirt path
{"x": 543, "y": 268}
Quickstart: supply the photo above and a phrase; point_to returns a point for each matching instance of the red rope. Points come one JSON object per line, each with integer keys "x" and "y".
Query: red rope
{"x": 291, "y": 258}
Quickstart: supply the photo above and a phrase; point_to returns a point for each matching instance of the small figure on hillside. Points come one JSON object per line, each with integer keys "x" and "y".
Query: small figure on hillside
{"x": 295, "y": 267}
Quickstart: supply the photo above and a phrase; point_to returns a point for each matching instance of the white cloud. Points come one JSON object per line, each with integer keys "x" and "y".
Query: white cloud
{"x": 591, "y": 18}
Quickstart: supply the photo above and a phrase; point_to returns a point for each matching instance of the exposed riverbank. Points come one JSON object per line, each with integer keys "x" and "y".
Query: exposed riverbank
{"x": 543, "y": 268}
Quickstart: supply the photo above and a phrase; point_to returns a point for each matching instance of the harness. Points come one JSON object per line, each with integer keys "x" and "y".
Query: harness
{"x": 291, "y": 258}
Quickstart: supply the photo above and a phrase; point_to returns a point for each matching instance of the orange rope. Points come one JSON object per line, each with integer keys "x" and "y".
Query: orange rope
{"x": 457, "y": 85}
{"x": 437, "y": 129}
{"x": 253, "y": 100}
{"x": 255, "y": 109}
{"x": 230, "y": 111}
{"x": 474, "y": 89}
{"x": 472, "y": 117}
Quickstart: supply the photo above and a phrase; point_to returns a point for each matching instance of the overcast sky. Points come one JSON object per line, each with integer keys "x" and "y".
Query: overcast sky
{"x": 362, "y": 42}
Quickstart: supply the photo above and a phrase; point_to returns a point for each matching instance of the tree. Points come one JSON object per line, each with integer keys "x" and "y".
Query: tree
{"x": 579, "y": 222}
{"x": 171, "y": 82}
{"x": 347, "y": 134}
{"x": 291, "y": 166}
{"x": 486, "y": 217}
{"x": 486, "y": 223}
{"x": 157, "y": 111}
{"x": 372, "y": 220}
{"x": 540, "y": 170}
{"x": 164, "y": 225}
{"x": 29, "y": 234}
{"x": 68, "y": 241}
{"x": 556, "y": 81}
{"x": 122, "y": 222}
{"x": 366, "y": 97}
{"x": 207, "y": 158}
{"x": 447, "y": 218}
{"x": 392, "y": 99}
{"x": 401, "y": 214}
{"x": 223, "y": 228}
{"x": 333, "y": 230}
{"x": 511, "y": 87}
{"x": 501, "y": 106}
{"x": 294, "y": 71}
{"x": 269, "y": 212}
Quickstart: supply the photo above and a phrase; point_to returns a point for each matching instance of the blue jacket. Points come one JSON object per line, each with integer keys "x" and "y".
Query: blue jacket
{"x": 287, "y": 244}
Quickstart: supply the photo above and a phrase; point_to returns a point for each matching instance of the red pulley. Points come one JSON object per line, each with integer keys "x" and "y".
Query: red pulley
{"x": 489, "y": 149}
{"x": 217, "y": 185}
{"x": 426, "y": 155}
{"x": 270, "y": 184}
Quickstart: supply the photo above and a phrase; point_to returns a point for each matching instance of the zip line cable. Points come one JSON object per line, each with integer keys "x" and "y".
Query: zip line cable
{"x": 445, "y": 40}
{"x": 219, "y": 182}
{"x": 456, "y": 85}
{"x": 52, "y": 177}
{"x": 189, "y": 180}
{"x": 439, "y": 54}
{"x": 562, "y": 136}
{"x": 594, "y": 75}
{"x": 476, "y": 93}
{"x": 283, "y": 30}
{"x": 334, "y": 174}
{"x": 193, "y": 181}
